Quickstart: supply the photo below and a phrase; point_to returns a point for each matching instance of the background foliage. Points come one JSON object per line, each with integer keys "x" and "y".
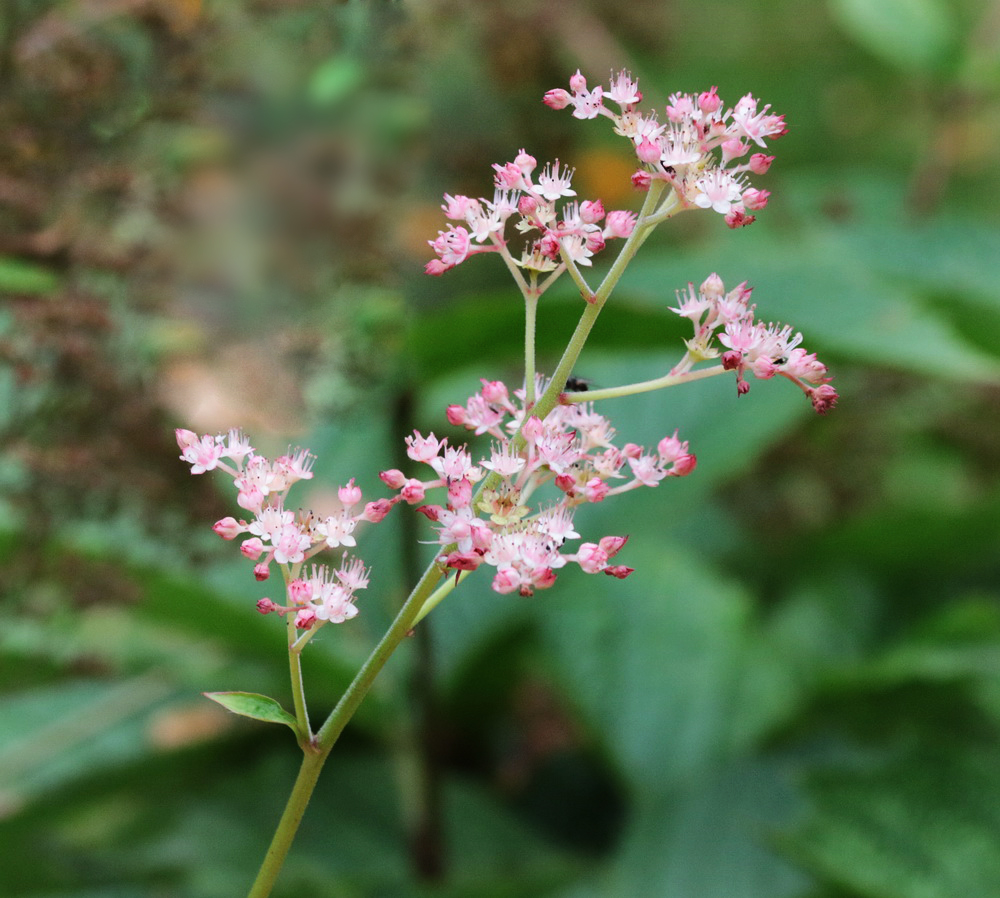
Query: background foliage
{"x": 215, "y": 213}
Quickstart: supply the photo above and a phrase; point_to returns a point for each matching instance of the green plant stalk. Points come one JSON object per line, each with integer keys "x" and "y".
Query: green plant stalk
{"x": 298, "y": 688}
{"x": 530, "y": 310}
{"x": 318, "y": 749}
{"x": 305, "y": 783}
{"x": 646, "y": 386}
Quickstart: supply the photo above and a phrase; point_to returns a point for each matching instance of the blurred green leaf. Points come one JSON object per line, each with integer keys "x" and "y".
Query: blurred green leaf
{"x": 658, "y": 663}
{"x": 710, "y": 839}
{"x": 922, "y": 826}
{"x": 254, "y": 705}
{"x": 913, "y": 35}
{"x": 24, "y": 277}
{"x": 52, "y": 736}
{"x": 334, "y": 80}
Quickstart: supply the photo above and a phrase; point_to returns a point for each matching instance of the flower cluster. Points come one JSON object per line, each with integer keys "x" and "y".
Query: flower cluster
{"x": 724, "y": 325}
{"x": 286, "y": 538}
{"x": 681, "y": 149}
{"x": 576, "y": 229}
{"x": 572, "y": 447}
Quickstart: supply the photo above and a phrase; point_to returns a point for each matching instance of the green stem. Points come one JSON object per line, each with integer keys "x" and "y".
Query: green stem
{"x": 530, "y": 309}
{"x": 298, "y": 688}
{"x": 312, "y": 764}
{"x": 659, "y": 383}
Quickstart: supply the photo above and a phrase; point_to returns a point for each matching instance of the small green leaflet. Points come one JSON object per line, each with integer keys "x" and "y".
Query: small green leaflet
{"x": 251, "y": 704}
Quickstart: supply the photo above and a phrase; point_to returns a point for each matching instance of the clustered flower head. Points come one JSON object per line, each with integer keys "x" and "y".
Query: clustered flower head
{"x": 724, "y": 326}
{"x": 575, "y": 228}
{"x": 283, "y": 537}
{"x": 525, "y": 542}
{"x": 701, "y": 148}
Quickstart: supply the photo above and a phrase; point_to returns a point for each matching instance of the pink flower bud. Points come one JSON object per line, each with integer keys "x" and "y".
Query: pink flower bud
{"x": 595, "y": 490}
{"x": 763, "y": 367}
{"x": 456, "y": 415}
{"x": 591, "y": 212}
{"x": 737, "y": 218}
{"x": 684, "y": 465}
{"x": 377, "y": 510}
{"x": 648, "y": 152}
{"x": 494, "y": 392}
{"x": 577, "y": 82}
{"x": 671, "y": 448}
{"x": 463, "y": 561}
{"x": 525, "y": 161}
{"x": 508, "y": 176}
{"x": 299, "y": 592}
{"x": 228, "y": 528}
{"x": 595, "y": 241}
{"x": 532, "y": 429}
{"x": 618, "y": 570}
{"x": 252, "y": 548}
{"x": 631, "y": 450}
{"x": 557, "y": 98}
{"x": 640, "y": 181}
{"x": 709, "y": 101}
{"x": 759, "y": 163}
{"x": 548, "y": 246}
{"x": 431, "y": 512}
{"x": 506, "y": 581}
{"x": 824, "y": 398}
{"x": 732, "y": 360}
{"x": 305, "y": 619}
{"x": 349, "y": 494}
{"x": 262, "y": 571}
{"x": 436, "y": 268}
{"x": 542, "y": 579}
{"x": 712, "y": 287}
{"x": 620, "y": 223}
{"x": 393, "y": 478}
{"x": 613, "y": 544}
{"x": 755, "y": 199}
{"x": 592, "y": 558}
{"x": 566, "y": 482}
{"x": 527, "y": 205}
{"x": 459, "y": 493}
{"x": 733, "y": 149}
{"x": 266, "y": 606}
{"x": 413, "y": 492}
{"x": 742, "y": 387}
{"x": 186, "y": 438}
{"x": 455, "y": 207}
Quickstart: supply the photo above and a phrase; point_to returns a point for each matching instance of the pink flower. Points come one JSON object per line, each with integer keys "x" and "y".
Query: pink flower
{"x": 452, "y": 246}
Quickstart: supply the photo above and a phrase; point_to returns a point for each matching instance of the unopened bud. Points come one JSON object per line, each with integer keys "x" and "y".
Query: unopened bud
{"x": 349, "y": 494}
{"x": 305, "y": 619}
{"x": 393, "y": 478}
{"x": 228, "y": 528}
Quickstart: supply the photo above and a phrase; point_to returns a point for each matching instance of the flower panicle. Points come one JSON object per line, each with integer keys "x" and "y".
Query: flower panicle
{"x": 545, "y": 213}
{"x": 525, "y": 540}
{"x": 275, "y": 535}
{"x": 725, "y": 326}
{"x": 705, "y": 150}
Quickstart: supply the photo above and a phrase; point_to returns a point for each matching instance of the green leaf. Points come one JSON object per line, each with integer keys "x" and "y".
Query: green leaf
{"x": 659, "y": 664}
{"x": 22, "y": 277}
{"x": 913, "y": 35}
{"x": 334, "y": 80}
{"x": 923, "y": 826}
{"x": 710, "y": 839}
{"x": 251, "y": 704}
